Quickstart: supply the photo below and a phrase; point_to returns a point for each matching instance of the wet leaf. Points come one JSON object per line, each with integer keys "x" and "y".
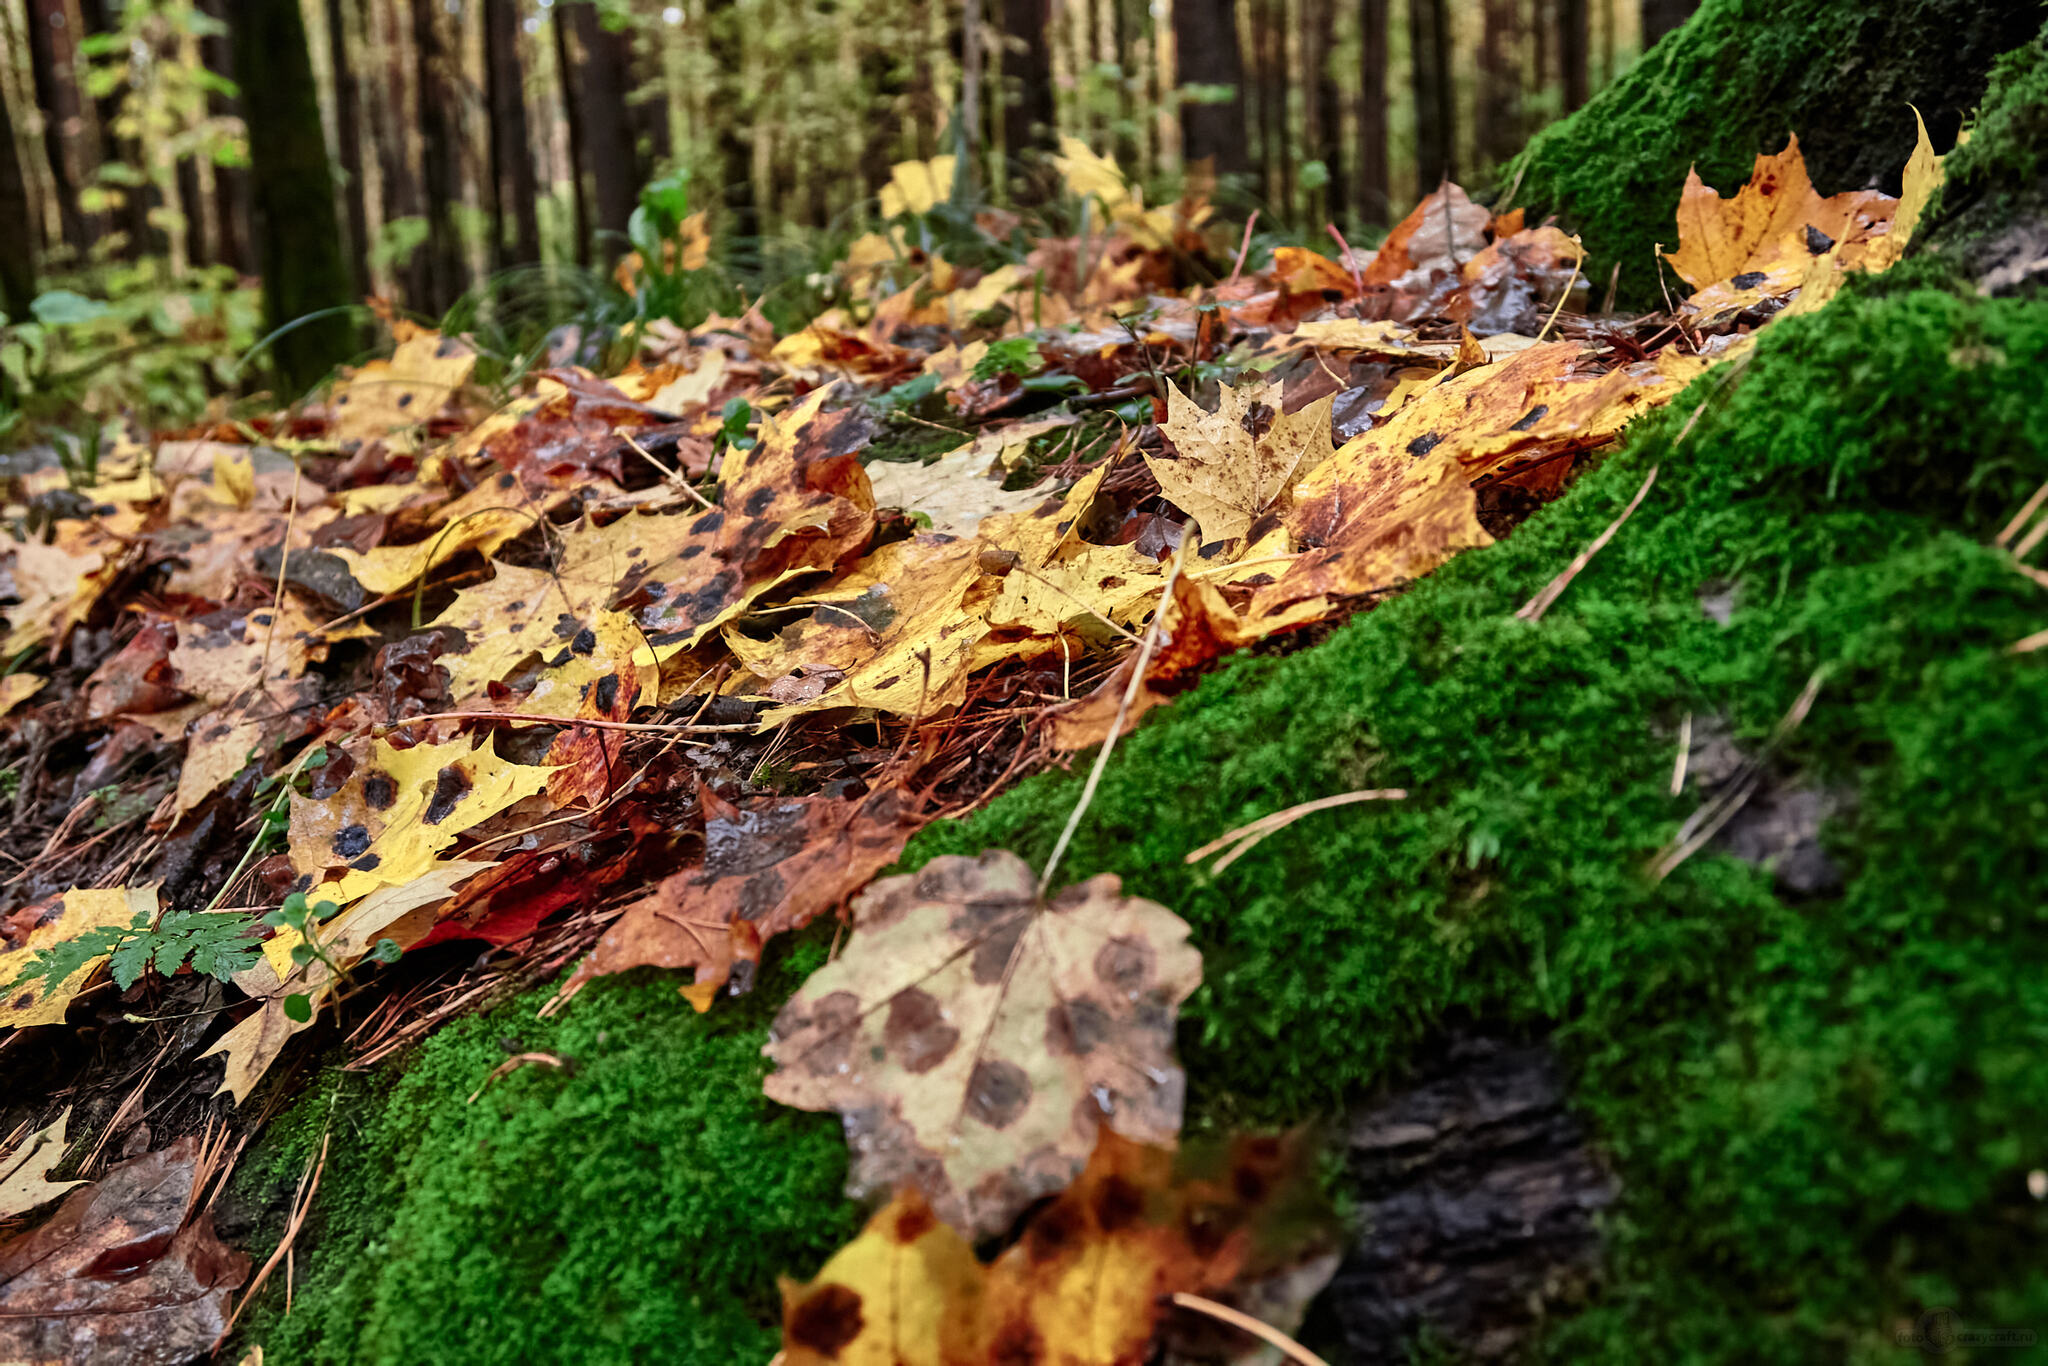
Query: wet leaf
{"x": 25, "y": 1171}
{"x": 384, "y": 396}
{"x": 64, "y": 918}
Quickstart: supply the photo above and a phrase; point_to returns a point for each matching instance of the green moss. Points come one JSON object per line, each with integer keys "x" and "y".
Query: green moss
{"x": 1821, "y": 1110}
{"x": 636, "y": 1206}
{"x": 1732, "y": 83}
{"x": 1994, "y": 200}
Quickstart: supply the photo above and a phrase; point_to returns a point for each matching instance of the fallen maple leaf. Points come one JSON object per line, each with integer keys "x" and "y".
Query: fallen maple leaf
{"x": 385, "y": 396}
{"x": 1232, "y": 465}
{"x": 125, "y": 1273}
{"x": 25, "y": 1172}
{"x": 956, "y": 491}
{"x": 64, "y": 918}
{"x": 767, "y": 869}
{"x": 975, "y": 1038}
{"x": 1087, "y": 1284}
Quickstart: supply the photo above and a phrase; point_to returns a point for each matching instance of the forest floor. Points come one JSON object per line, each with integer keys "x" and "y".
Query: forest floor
{"x": 1376, "y": 790}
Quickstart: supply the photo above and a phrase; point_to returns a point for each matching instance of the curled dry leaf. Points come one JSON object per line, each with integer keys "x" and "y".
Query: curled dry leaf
{"x": 767, "y": 869}
{"x": 1086, "y": 1284}
{"x": 25, "y": 1172}
{"x": 976, "y": 1039}
{"x": 120, "y": 1275}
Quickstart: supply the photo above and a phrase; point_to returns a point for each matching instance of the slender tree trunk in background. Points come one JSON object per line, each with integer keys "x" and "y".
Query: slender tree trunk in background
{"x": 514, "y": 191}
{"x": 1029, "y": 117}
{"x": 131, "y": 218}
{"x": 1375, "y": 194}
{"x": 439, "y": 165}
{"x": 1205, "y": 46}
{"x": 391, "y": 122}
{"x": 607, "y": 144}
{"x": 193, "y": 207}
{"x": 971, "y": 140}
{"x": 1270, "y": 46}
{"x": 1430, "y": 53}
{"x": 304, "y": 270}
{"x": 732, "y": 148}
{"x": 1574, "y": 45}
{"x": 52, "y": 50}
{"x": 572, "y": 111}
{"x": 1662, "y": 16}
{"x": 647, "y": 114}
{"x": 1500, "y": 82}
{"x": 348, "y": 138}
{"x": 230, "y": 183}
{"x": 1329, "y": 109}
{"x": 885, "y": 80}
{"x": 17, "y": 226}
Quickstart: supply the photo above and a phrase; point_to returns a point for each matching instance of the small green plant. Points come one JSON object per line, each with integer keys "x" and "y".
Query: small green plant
{"x": 275, "y": 792}
{"x": 298, "y": 914}
{"x": 1017, "y": 356}
{"x": 216, "y": 943}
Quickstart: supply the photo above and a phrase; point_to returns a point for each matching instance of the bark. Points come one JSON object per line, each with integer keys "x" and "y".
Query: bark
{"x": 1328, "y": 109}
{"x": 971, "y": 140}
{"x": 1574, "y": 45}
{"x": 572, "y": 110}
{"x": 52, "y": 50}
{"x": 17, "y": 226}
{"x": 1206, "y": 50}
{"x": 1375, "y": 195}
{"x": 348, "y": 128}
{"x": 514, "y": 191}
{"x": 230, "y": 217}
{"x": 1435, "y": 129}
{"x": 732, "y": 145}
{"x": 1500, "y": 82}
{"x": 601, "y": 89}
{"x": 1273, "y": 81}
{"x": 446, "y": 274}
{"x": 1027, "y": 85}
{"x": 304, "y": 270}
{"x": 1660, "y": 17}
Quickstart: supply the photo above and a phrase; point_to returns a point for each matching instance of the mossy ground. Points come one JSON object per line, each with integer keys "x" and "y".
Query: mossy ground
{"x": 1822, "y": 1110}
{"x": 1732, "y": 83}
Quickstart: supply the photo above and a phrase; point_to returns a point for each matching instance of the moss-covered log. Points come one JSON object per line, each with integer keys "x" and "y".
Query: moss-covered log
{"x": 1741, "y": 75}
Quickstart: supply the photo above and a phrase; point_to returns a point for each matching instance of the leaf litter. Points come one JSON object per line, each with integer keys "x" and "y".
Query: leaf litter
{"x": 648, "y": 668}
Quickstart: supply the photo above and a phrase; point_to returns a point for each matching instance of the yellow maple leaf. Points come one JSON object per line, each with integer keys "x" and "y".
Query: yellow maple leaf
{"x": 1223, "y": 476}
{"x": 384, "y": 396}
{"x": 917, "y": 186}
{"x": 76, "y": 912}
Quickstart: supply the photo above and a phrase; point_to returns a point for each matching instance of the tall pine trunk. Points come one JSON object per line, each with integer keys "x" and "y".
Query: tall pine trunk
{"x": 1574, "y": 47}
{"x": 1206, "y": 54}
{"x": 513, "y": 186}
{"x": 600, "y": 94}
{"x": 1375, "y": 194}
{"x": 348, "y": 129}
{"x": 52, "y": 50}
{"x": 304, "y": 271}
{"x": 572, "y": 112}
{"x": 1500, "y": 82}
{"x": 440, "y": 167}
{"x": 734, "y": 152}
{"x": 1328, "y": 108}
{"x": 1660, "y": 17}
{"x": 1028, "y": 113}
{"x": 17, "y": 226}
{"x": 231, "y": 245}
{"x": 1429, "y": 38}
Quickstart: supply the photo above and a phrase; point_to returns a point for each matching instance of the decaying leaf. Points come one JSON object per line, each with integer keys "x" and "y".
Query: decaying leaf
{"x": 66, "y": 917}
{"x": 125, "y": 1273}
{"x": 1088, "y": 1282}
{"x": 955, "y": 492}
{"x": 974, "y": 1039}
{"x": 767, "y": 870}
{"x": 1235, "y": 463}
{"x": 424, "y": 371}
{"x": 25, "y": 1172}
{"x": 1197, "y": 626}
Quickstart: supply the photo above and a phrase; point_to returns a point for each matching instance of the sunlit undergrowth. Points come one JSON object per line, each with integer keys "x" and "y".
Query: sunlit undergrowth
{"x": 1822, "y": 1109}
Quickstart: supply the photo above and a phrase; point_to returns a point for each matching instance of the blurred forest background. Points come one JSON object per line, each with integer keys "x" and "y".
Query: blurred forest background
{"x": 167, "y": 164}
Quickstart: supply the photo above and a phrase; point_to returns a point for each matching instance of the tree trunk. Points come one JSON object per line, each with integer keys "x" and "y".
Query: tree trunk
{"x": 1574, "y": 43}
{"x": 348, "y": 129}
{"x": 731, "y": 146}
{"x": 1328, "y": 108}
{"x": 17, "y": 226}
{"x": 131, "y": 217}
{"x": 1375, "y": 194}
{"x": 1206, "y": 53}
{"x": 304, "y": 270}
{"x": 1663, "y": 16}
{"x": 52, "y": 50}
{"x": 446, "y": 275}
{"x": 607, "y": 144}
{"x": 230, "y": 216}
{"x": 572, "y": 110}
{"x": 1500, "y": 82}
{"x": 1430, "y": 47}
{"x": 513, "y": 189}
{"x": 1028, "y": 113}
{"x": 970, "y": 140}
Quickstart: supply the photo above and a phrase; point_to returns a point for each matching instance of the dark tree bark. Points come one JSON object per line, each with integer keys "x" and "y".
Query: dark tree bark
{"x": 1206, "y": 53}
{"x": 304, "y": 270}
{"x": 1328, "y": 109}
{"x": 733, "y": 149}
{"x": 1375, "y": 195}
{"x": 1271, "y": 44}
{"x": 886, "y": 80}
{"x": 1500, "y": 82}
{"x": 572, "y": 110}
{"x": 440, "y": 167}
{"x": 17, "y": 226}
{"x": 194, "y": 209}
{"x": 1027, "y": 87}
{"x": 1574, "y": 44}
{"x": 230, "y": 234}
{"x": 52, "y": 51}
{"x": 1663, "y": 16}
{"x": 1430, "y": 44}
{"x": 348, "y": 129}
{"x": 391, "y": 120}
{"x": 514, "y": 191}
{"x": 600, "y": 93}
